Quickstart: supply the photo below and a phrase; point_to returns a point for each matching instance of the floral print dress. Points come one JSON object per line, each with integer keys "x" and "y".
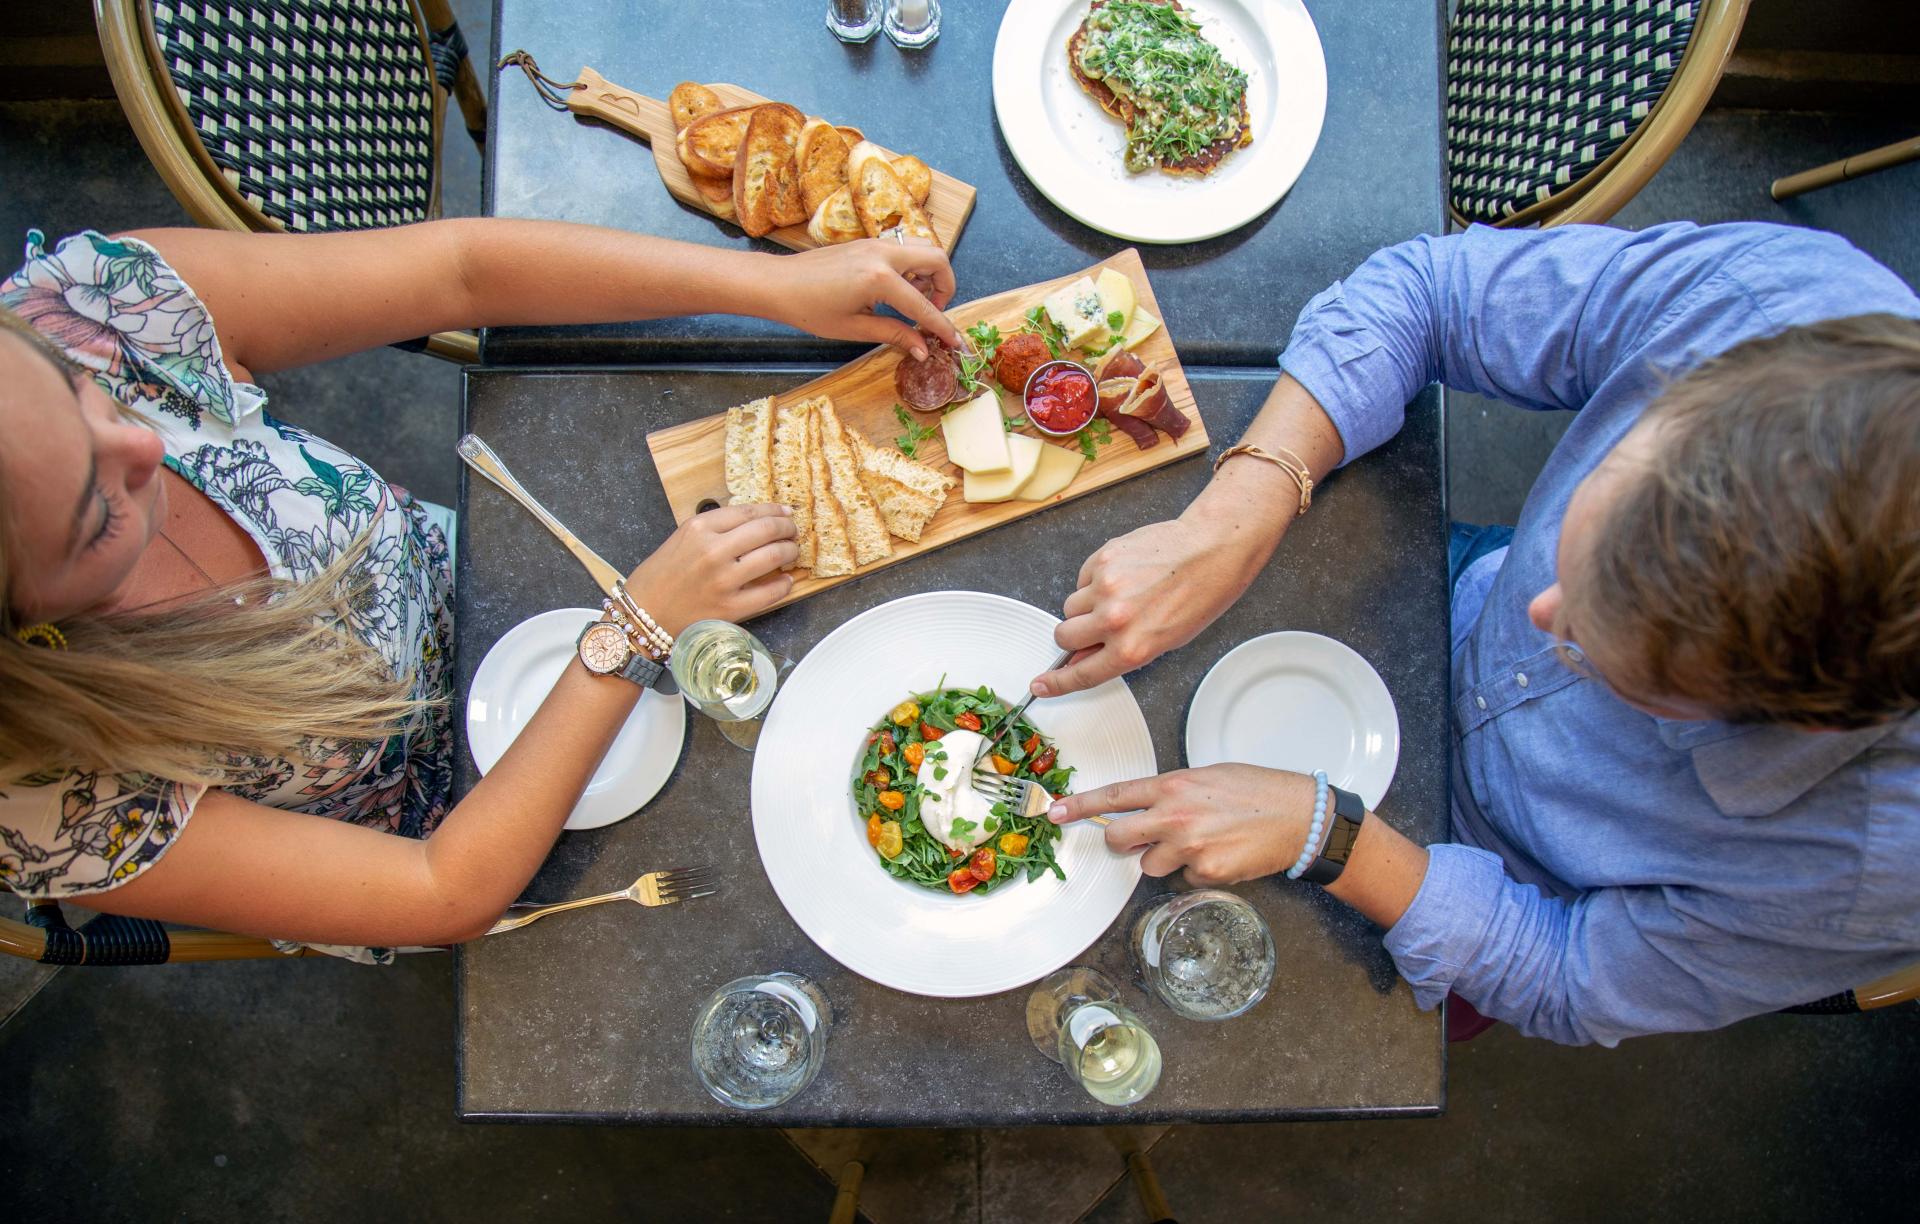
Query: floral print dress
{"x": 117, "y": 308}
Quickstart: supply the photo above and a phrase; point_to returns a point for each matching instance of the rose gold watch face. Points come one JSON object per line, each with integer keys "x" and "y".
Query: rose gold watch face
{"x": 604, "y": 649}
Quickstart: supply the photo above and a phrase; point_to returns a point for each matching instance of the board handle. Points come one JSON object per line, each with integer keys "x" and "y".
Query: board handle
{"x": 633, "y": 113}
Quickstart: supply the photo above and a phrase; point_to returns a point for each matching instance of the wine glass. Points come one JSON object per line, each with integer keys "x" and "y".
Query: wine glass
{"x": 1075, "y": 1019}
{"x": 1207, "y": 954}
{"x": 757, "y": 1041}
{"x": 728, "y": 675}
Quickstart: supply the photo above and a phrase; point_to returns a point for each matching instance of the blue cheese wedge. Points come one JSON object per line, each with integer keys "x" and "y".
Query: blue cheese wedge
{"x": 1078, "y": 312}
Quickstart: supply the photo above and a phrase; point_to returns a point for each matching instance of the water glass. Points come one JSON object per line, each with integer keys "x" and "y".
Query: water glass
{"x": 854, "y": 21}
{"x": 729, "y": 675}
{"x": 1207, "y": 954}
{"x": 759, "y": 1040}
{"x": 912, "y": 24}
{"x": 1074, "y": 1017}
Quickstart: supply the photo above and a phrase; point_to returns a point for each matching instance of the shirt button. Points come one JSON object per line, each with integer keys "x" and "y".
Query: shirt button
{"x": 1520, "y": 678}
{"x": 1573, "y": 652}
{"x": 1481, "y": 702}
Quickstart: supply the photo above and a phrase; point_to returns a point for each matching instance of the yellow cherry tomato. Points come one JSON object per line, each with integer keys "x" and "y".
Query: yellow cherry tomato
{"x": 904, "y": 714}
{"x": 890, "y": 839}
{"x": 892, "y": 800}
{"x": 1013, "y": 843}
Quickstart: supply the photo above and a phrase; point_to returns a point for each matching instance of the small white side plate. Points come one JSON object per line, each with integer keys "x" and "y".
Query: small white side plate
{"x": 1298, "y": 701}
{"x": 1071, "y": 149}
{"x": 516, "y": 677}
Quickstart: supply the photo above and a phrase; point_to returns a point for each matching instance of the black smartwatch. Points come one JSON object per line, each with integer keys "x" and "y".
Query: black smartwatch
{"x": 1348, "y": 812}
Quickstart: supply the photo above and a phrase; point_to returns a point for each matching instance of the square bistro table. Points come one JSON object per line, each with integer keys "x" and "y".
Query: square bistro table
{"x": 1374, "y": 179}
{"x": 587, "y": 1016}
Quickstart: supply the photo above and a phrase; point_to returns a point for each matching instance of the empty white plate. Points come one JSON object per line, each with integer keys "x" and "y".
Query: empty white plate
{"x": 1298, "y": 701}
{"x": 516, "y": 677}
{"x": 1071, "y": 149}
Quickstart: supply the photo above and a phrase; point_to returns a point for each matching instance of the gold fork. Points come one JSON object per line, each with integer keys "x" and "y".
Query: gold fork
{"x": 654, "y": 888}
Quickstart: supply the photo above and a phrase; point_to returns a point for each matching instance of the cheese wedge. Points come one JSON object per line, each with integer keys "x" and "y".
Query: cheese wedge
{"x": 1116, "y": 298}
{"x": 793, "y": 474}
{"x": 1142, "y": 326}
{"x": 866, "y": 532}
{"x": 1001, "y": 486}
{"x": 975, "y": 436}
{"x": 1077, "y": 311}
{"x": 1055, "y": 471}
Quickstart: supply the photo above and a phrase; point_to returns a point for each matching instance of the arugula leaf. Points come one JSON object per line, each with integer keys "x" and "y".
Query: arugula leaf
{"x": 916, "y": 433}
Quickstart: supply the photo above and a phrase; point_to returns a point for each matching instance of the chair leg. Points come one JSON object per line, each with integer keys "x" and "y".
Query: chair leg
{"x": 1846, "y": 168}
{"x": 846, "y": 1204}
{"x": 1147, "y": 1186}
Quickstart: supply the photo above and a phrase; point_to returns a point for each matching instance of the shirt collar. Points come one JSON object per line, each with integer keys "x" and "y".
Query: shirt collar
{"x": 1757, "y": 770}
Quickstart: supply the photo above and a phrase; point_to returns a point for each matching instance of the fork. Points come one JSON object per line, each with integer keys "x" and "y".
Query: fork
{"x": 1022, "y": 796}
{"x": 654, "y": 888}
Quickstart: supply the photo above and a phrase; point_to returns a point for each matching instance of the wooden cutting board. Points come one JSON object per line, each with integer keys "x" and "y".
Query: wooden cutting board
{"x": 949, "y": 203}
{"x": 691, "y": 460}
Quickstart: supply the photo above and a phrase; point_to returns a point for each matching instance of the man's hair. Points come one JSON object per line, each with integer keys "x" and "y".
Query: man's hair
{"x": 1768, "y": 565}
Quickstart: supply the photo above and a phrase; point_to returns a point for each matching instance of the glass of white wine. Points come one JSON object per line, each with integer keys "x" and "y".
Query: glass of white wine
{"x": 728, "y": 675}
{"x": 1075, "y": 1018}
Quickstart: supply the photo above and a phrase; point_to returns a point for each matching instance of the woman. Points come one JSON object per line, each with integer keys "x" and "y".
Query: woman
{"x": 224, "y": 672}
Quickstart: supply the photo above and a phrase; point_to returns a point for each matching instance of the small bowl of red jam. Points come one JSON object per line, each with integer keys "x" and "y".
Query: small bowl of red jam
{"x": 1060, "y": 398}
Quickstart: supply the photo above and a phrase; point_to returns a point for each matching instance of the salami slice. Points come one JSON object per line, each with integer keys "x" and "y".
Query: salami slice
{"x": 930, "y": 383}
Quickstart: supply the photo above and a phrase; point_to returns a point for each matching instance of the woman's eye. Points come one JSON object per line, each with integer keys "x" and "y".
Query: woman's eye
{"x": 109, "y": 520}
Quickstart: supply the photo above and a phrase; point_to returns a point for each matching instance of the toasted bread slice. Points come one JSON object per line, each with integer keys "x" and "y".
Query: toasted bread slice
{"x": 852, "y": 135}
{"x": 793, "y": 473}
{"x": 880, "y": 199}
{"x": 918, "y": 178}
{"x": 833, "y": 553}
{"x": 907, "y": 494}
{"x": 716, "y": 194}
{"x": 710, "y": 144}
{"x": 835, "y": 221}
{"x": 866, "y": 531}
{"x": 690, "y": 100}
{"x": 750, "y": 452}
{"x": 765, "y": 187}
{"x": 1199, "y": 163}
{"x": 821, "y": 156}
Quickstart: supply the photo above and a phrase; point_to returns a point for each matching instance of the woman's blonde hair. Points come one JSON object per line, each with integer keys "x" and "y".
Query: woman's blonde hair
{"x": 190, "y": 691}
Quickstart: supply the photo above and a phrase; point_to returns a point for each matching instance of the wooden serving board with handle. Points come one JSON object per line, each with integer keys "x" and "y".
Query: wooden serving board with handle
{"x": 691, "y": 459}
{"x": 949, "y": 203}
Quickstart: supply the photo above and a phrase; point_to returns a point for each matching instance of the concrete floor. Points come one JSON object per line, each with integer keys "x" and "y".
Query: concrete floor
{"x": 312, "y": 1090}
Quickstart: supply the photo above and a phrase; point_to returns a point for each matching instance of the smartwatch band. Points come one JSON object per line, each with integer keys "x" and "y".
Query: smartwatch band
{"x": 1348, "y": 813}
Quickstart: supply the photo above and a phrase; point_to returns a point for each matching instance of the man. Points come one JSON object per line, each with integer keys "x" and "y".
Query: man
{"x": 1685, "y": 766}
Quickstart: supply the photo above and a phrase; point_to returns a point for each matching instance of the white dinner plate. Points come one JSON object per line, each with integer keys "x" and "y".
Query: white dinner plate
{"x": 1302, "y": 702}
{"x": 1071, "y": 149}
{"x": 813, "y": 843}
{"x": 516, "y": 677}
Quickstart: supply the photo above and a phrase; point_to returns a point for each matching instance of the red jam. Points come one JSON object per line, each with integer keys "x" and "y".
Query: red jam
{"x": 1060, "y": 398}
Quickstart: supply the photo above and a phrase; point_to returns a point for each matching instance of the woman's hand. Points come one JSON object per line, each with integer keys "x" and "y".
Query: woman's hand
{"x": 834, "y": 290}
{"x": 725, "y": 564}
{"x": 1145, "y": 593}
{"x": 1223, "y": 823}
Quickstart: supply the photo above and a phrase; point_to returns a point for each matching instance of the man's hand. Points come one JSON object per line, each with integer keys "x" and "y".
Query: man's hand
{"x": 1223, "y": 823}
{"x": 1145, "y": 593}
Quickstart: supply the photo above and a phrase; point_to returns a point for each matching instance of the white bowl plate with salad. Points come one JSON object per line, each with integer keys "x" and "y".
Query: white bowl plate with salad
{"x": 813, "y": 841}
{"x": 1075, "y": 153}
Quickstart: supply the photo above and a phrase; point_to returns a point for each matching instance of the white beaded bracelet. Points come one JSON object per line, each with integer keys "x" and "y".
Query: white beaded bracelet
{"x": 1311, "y": 850}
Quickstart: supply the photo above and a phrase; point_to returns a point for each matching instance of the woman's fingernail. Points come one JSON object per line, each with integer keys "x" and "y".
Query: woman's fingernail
{"x": 1057, "y": 813}
{"x": 919, "y": 354}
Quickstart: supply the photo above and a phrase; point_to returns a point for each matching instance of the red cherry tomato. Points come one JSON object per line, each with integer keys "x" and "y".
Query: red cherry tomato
{"x": 969, "y": 720}
{"x": 982, "y": 864}
{"x": 929, "y": 732}
{"x": 962, "y": 880}
{"x": 1042, "y": 763}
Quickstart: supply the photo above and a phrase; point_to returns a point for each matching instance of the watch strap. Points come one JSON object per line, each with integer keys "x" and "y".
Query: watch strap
{"x": 641, "y": 670}
{"x": 1342, "y": 833}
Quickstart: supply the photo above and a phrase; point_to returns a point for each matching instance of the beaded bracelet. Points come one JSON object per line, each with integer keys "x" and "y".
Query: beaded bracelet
{"x": 1311, "y": 850}
{"x": 643, "y": 623}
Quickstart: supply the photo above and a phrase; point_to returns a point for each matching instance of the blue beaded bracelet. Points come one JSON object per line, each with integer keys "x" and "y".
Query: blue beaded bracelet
{"x": 1311, "y": 850}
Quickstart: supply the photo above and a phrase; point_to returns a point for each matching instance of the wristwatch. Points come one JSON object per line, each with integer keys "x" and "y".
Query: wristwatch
{"x": 606, "y": 650}
{"x": 1348, "y": 812}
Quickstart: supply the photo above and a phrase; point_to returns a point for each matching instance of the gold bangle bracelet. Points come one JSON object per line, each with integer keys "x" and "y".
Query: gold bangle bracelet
{"x": 1302, "y": 475}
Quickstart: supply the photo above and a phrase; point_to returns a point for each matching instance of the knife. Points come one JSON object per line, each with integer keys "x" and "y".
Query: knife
{"x": 480, "y": 457}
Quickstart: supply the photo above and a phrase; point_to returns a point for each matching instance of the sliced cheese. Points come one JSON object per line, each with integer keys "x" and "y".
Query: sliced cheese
{"x": 1001, "y": 486}
{"x": 1142, "y": 326}
{"x": 1076, "y": 309}
{"x": 1054, "y": 472}
{"x": 1116, "y": 298}
{"x": 975, "y": 437}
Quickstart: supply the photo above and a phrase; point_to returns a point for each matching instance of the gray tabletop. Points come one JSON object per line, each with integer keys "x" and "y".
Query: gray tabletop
{"x": 587, "y": 1016}
{"x": 1375, "y": 177}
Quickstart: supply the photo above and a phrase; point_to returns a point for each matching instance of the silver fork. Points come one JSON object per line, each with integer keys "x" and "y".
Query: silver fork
{"x": 654, "y": 888}
{"x": 1022, "y": 796}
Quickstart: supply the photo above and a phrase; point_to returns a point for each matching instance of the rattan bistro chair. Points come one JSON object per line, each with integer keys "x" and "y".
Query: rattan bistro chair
{"x": 109, "y": 939}
{"x": 303, "y": 116}
{"x": 1560, "y": 110}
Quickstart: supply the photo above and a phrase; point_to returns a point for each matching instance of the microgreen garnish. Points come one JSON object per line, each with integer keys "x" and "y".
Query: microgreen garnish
{"x": 916, "y": 433}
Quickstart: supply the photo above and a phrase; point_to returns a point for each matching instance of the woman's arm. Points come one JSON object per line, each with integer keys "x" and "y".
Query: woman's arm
{"x": 244, "y": 867}
{"x": 283, "y": 300}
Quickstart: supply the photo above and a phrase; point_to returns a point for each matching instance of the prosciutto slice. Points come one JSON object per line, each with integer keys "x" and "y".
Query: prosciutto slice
{"x": 1114, "y": 394}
